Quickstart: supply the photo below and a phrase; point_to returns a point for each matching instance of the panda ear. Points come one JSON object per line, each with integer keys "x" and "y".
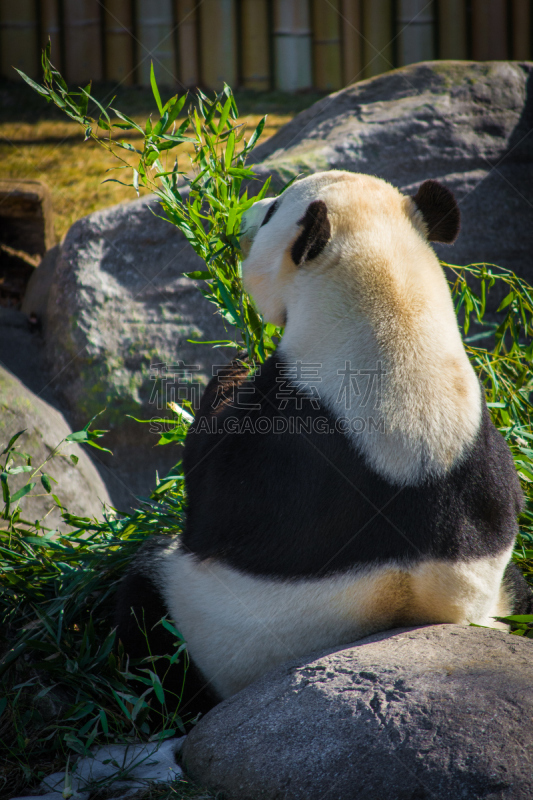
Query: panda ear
{"x": 440, "y": 211}
{"x": 315, "y": 234}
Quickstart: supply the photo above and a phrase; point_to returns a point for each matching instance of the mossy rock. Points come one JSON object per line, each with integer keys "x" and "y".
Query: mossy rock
{"x": 118, "y": 305}
{"x": 79, "y": 487}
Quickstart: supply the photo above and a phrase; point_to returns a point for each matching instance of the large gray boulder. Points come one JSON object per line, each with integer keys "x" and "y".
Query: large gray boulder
{"x": 79, "y": 487}
{"x": 436, "y": 713}
{"x": 468, "y": 124}
{"x": 117, "y": 305}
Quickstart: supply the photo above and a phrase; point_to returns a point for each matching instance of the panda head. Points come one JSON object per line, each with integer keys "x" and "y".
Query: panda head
{"x": 333, "y": 223}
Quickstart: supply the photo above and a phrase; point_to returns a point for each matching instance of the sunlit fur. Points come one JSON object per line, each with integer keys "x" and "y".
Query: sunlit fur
{"x": 377, "y": 293}
{"x": 238, "y": 626}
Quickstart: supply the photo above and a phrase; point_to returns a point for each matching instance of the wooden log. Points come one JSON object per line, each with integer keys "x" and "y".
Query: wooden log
{"x": 521, "y": 29}
{"x": 188, "y": 62}
{"x": 489, "y": 30}
{"x": 452, "y": 29}
{"x": 155, "y": 41}
{"x": 292, "y": 45}
{"x": 19, "y": 46}
{"x": 255, "y": 44}
{"x": 218, "y": 43}
{"x": 415, "y": 25}
{"x": 378, "y": 29}
{"x": 118, "y": 27}
{"x": 26, "y": 233}
{"x": 26, "y": 216}
{"x": 352, "y": 41}
{"x": 327, "y": 66}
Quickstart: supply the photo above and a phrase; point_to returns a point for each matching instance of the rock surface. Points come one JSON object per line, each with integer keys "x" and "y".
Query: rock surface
{"x": 79, "y": 487}
{"x": 22, "y": 353}
{"x": 468, "y": 124}
{"x": 435, "y": 713}
{"x": 36, "y": 295}
{"x": 118, "y": 304}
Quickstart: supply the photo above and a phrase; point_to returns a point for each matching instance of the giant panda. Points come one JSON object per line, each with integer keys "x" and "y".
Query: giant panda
{"x": 352, "y": 483}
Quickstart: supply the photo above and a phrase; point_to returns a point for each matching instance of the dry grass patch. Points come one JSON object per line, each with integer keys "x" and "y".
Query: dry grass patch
{"x": 36, "y": 143}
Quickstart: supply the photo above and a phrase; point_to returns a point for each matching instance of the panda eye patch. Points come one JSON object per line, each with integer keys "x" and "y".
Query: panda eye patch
{"x": 270, "y": 213}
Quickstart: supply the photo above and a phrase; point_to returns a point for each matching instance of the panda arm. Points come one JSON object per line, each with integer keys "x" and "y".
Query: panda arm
{"x": 216, "y": 402}
{"x": 220, "y": 390}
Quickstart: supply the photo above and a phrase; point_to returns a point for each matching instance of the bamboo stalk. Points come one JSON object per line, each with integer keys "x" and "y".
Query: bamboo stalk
{"x": 416, "y": 31}
{"x": 118, "y": 41}
{"x": 352, "y": 41}
{"x": 187, "y": 20}
{"x": 327, "y": 44}
{"x": 489, "y": 29}
{"x": 155, "y": 27}
{"x": 292, "y": 45}
{"x": 82, "y": 41}
{"x": 18, "y": 38}
{"x": 255, "y": 44}
{"x": 452, "y": 29}
{"x": 521, "y": 31}
{"x": 218, "y": 37}
{"x": 378, "y": 32}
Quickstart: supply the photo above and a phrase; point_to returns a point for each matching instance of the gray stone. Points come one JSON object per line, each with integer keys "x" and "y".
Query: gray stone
{"x": 22, "y": 352}
{"x": 35, "y": 298}
{"x": 435, "y": 713}
{"x": 79, "y": 487}
{"x": 467, "y": 124}
{"x": 118, "y": 304}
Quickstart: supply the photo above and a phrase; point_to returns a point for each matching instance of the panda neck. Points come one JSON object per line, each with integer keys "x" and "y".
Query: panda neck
{"x": 410, "y": 398}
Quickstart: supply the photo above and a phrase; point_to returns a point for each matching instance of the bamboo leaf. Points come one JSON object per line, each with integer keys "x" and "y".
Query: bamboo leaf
{"x": 155, "y": 90}
{"x": 256, "y": 134}
{"x": 506, "y": 301}
{"x": 228, "y": 155}
{"x": 12, "y": 441}
{"x": 23, "y": 492}
{"x": 224, "y": 116}
{"x": 35, "y": 86}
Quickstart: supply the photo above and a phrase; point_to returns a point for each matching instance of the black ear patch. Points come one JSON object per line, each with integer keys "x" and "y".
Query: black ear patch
{"x": 440, "y": 212}
{"x": 315, "y": 235}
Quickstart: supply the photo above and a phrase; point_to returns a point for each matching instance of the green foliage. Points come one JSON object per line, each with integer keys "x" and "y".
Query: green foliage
{"x": 205, "y": 201}
{"x": 65, "y": 684}
{"x": 519, "y": 624}
{"x": 504, "y": 368}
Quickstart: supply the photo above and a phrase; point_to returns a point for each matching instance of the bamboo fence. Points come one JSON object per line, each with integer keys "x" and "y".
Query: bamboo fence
{"x": 291, "y": 45}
